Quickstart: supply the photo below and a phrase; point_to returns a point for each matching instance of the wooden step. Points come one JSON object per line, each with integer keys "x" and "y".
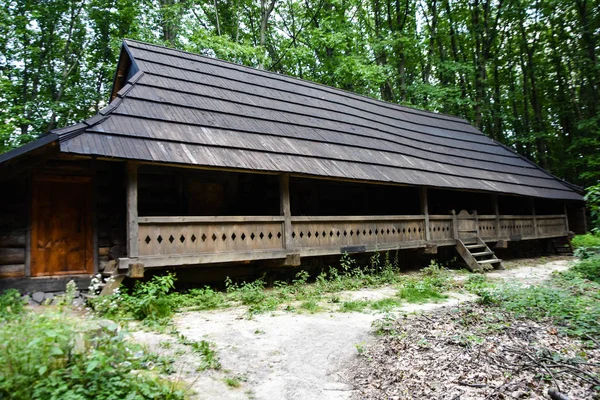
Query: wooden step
{"x": 490, "y": 261}
{"x": 483, "y": 253}
{"x": 475, "y": 246}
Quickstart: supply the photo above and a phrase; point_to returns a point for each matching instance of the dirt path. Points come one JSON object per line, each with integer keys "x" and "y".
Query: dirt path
{"x": 294, "y": 356}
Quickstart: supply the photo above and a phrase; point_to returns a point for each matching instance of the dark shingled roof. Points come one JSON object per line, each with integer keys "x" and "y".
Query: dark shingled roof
{"x": 189, "y": 109}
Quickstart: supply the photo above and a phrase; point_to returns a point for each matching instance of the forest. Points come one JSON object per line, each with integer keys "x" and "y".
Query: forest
{"x": 523, "y": 71}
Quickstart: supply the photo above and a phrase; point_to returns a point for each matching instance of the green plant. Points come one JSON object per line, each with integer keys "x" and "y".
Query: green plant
{"x": 354, "y": 306}
{"x": 588, "y": 268}
{"x": 233, "y": 382}
{"x": 569, "y": 300}
{"x": 310, "y": 305}
{"x": 11, "y": 304}
{"x": 419, "y": 291}
{"x": 55, "y": 356}
{"x": 592, "y": 198}
{"x": 203, "y": 299}
{"x": 206, "y": 351}
{"x": 587, "y": 240}
{"x": 386, "y": 304}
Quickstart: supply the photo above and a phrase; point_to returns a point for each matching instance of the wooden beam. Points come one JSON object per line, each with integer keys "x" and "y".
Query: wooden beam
{"x": 44, "y": 284}
{"x": 132, "y": 210}
{"x": 566, "y": 216}
{"x": 285, "y": 209}
{"x": 209, "y": 219}
{"x": 425, "y": 210}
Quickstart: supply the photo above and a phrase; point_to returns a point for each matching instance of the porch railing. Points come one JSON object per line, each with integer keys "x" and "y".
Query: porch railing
{"x": 164, "y": 236}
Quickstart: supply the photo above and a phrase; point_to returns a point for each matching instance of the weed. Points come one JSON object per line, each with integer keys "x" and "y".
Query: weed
{"x": 588, "y": 268}
{"x": 354, "y": 306}
{"x": 310, "y": 305}
{"x": 57, "y": 356}
{"x": 232, "y": 382}
{"x": 11, "y": 304}
{"x": 206, "y": 351}
{"x": 204, "y": 299}
{"x": 588, "y": 240}
{"x": 386, "y": 304}
{"x": 360, "y": 348}
{"x": 419, "y": 291}
{"x": 570, "y": 300}
{"x": 385, "y": 326}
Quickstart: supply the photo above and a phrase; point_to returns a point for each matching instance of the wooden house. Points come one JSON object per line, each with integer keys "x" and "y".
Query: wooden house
{"x": 197, "y": 161}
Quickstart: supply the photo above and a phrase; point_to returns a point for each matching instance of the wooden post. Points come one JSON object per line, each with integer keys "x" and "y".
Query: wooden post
{"x": 29, "y": 194}
{"x": 285, "y": 210}
{"x": 425, "y": 211}
{"x": 455, "y": 225}
{"x": 535, "y": 227}
{"x": 496, "y": 213}
{"x": 566, "y": 217}
{"x": 132, "y": 210}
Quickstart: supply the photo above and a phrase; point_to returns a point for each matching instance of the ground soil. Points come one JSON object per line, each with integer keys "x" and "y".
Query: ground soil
{"x": 283, "y": 355}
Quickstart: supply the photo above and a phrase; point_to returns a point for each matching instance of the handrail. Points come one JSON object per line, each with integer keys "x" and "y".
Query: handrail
{"x": 209, "y": 219}
{"x": 320, "y": 218}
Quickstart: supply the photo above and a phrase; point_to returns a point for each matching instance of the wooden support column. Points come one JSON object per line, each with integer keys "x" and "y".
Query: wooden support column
{"x": 285, "y": 210}
{"x": 535, "y": 227}
{"x": 132, "y": 210}
{"x": 425, "y": 211}
{"x": 454, "y": 225}
{"x": 496, "y": 213}
{"x": 567, "y": 216}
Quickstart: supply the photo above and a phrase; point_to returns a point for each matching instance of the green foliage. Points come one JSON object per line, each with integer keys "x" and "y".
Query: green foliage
{"x": 419, "y": 291}
{"x": 148, "y": 301}
{"x": 354, "y": 306}
{"x": 54, "y": 356}
{"x": 588, "y": 240}
{"x": 586, "y": 246}
{"x": 588, "y": 268}
{"x": 535, "y": 90}
{"x": 203, "y": 299}
{"x": 206, "y": 351}
{"x": 570, "y": 300}
{"x": 11, "y": 304}
{"x": 592, "y": 198}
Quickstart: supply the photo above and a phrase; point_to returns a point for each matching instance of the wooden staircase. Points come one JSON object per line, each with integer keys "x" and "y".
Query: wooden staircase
{"x": 476, "y": 253}
{"x": 478, "y": 256}
{"x": 562, "y": 246}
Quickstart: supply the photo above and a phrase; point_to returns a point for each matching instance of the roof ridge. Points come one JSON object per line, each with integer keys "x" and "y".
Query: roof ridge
{"x": 329, "y": 89}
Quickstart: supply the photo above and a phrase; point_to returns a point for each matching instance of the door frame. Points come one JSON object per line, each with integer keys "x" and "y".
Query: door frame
{"x": 90, "y": 216}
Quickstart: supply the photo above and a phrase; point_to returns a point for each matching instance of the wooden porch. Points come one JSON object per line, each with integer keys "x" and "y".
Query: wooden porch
{"x": 166, "y": 241}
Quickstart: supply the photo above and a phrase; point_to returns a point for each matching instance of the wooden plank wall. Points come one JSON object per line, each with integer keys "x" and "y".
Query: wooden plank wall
{"x": 13, "y": 228}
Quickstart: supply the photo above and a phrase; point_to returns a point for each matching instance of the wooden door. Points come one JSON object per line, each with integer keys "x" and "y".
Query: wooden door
{"x": 61, "y": 226}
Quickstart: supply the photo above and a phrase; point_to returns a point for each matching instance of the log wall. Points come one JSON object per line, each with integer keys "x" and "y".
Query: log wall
{"x": 13, "y": 228}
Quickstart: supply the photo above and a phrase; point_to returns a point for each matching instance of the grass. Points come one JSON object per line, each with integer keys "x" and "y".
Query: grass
{"x": 54, "y": 355}
{"x": 571, "y": 299}
{"x": 206, "y": 351}
{"x": 233, "y": 382}
{"x": 154, "y": 302}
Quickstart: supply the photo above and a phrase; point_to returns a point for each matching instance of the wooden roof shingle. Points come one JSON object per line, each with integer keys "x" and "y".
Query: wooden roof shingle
{"x": 189, "y": 109}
